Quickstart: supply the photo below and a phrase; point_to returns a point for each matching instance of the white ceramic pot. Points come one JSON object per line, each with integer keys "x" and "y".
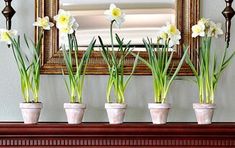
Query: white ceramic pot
{"x": 31, "y": 112}
{"x": 159, "y": 112}
{"x": 74, "y": 112}
{"x": 204, "y": 112}
{"x": 116, "y": 112}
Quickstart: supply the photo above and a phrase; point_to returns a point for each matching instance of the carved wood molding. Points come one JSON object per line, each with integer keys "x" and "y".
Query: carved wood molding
{"x": 52, "y": 57}
{"x": 8, "y": 13}
{"x": 128, "y": 135}
{"x": 228, "y": 13}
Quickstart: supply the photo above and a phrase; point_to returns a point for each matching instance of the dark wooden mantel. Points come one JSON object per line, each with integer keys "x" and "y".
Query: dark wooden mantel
{"x": 128, "y": 134}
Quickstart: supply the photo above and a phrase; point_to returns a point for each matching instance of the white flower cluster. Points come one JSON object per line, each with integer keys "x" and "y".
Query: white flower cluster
{"x": 206, "y": 28}
{"x": 170, "y": 35}
{"x": 65, "y": 22}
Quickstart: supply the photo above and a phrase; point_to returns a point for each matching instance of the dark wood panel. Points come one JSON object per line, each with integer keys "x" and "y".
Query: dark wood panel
{"x": 124, "y": 135}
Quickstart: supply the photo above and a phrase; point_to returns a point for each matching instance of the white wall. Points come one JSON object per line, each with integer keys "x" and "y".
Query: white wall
{"x": 139, "y": 92}
{"x": 116, "y": 1}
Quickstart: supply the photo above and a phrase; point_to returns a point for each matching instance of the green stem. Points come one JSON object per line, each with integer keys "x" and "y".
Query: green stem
{"x": 27, "y": 93}
{"x": 155, "y": 90}
{"x": 35, "y": 96}
{"x": 111, "y": 35}
{"x": 201, "y": 92}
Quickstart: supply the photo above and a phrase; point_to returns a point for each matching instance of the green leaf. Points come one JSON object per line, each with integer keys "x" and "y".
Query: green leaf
{"x": 168, "y": 63}
{"x": 133, "y": 70}
{"x": 226, "y": 63}
{"x": 142, "y": 60}
{"x": 189, "y": 62}
{"x": 66, "y": 83}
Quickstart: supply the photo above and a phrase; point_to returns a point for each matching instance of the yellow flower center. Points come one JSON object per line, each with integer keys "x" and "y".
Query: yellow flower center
{"x": 197, "y": 29}
{"x": 43, "y": 22}
{"x": 213, "y": 31}
{"x": 116, "y": 12}
{"x": 63, "y": 19}
{"x": 5, "y": 36}
{"x": 164, "y": 36}
{"x": 64, "y": 30}
{"x": 173, "y": 29}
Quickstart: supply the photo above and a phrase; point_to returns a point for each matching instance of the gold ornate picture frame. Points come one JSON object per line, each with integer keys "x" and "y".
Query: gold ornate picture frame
{"x": 52, "y": 58}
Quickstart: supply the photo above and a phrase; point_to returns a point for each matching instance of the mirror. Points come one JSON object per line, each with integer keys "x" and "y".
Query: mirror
{"x": 143, "y": 19}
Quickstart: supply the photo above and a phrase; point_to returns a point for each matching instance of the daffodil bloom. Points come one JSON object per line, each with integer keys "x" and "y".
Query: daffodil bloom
{"x": 204, "y": 21}
{"x": 163, "y": 36}
{"x": 44, "y": 23}
{"x": 215, "y": 30}
{"x": 69, "y": 29}
{"x": 170, "y": 34}
{"x": 65, "y": 22}
{"x": 63, "y": 19}
{"x": 198, "y": 30}
{"x": 174, "y": 34}
{"x": 6, "y": 34}
{"x": 115, "y": 14}
{"x": 172, "y": 30}
{"x": 175, "y": 40}
{"x": 206, "y": 28}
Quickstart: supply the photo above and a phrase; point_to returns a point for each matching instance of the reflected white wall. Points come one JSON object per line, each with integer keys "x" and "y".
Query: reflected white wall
{"x": 141, "y": 21}
{"x": 116, "y": 1}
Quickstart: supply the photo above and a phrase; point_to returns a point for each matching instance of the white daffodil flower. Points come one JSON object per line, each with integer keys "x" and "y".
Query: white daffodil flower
{"x": 163, "y": 35}
{"x": 171, "y": 34}
{"x": 63, "y": 19}
{"x": 174, "y": 34}
{"x": 115, "y": 14}
{"x": 215, "y": 30}
{"x": 75, "y": 26}
{"x": 172, "y": 30}
{"x": 206, "y": 28}
{"x": 65, "y": 22}
{"x": 174, "y": 40}
{"x": 198, "y": 30}
{"x": 69, "y": 29}
{"x": 44, "y": 23}
{"x": 6, "y": 34}
{"x": 204, "y": 21}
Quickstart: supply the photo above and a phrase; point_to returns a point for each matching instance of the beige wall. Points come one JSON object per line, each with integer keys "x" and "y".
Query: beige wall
{"x": 139, "y": 92}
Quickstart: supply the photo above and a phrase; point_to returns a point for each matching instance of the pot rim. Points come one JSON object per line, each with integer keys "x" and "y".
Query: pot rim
{"x": 203, "y": 106}
{"x": 115, "y": 105}
{"x": 74, "y": 106}
{"x": 38, "y": 105}
{"x": 159, "y": 105}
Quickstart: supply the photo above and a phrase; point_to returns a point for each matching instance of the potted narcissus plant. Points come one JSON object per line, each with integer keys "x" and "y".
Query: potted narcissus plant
{"x": 160, "y": 54}
{"x": 67, "y": 26}
{"x": 210, "y": 69}
{"x": 114, "y": 58}
{"x": 29, "y": 69}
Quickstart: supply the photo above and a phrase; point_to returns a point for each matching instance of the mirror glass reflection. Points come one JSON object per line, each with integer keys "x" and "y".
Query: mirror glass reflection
{"x": 143, "y": 19}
